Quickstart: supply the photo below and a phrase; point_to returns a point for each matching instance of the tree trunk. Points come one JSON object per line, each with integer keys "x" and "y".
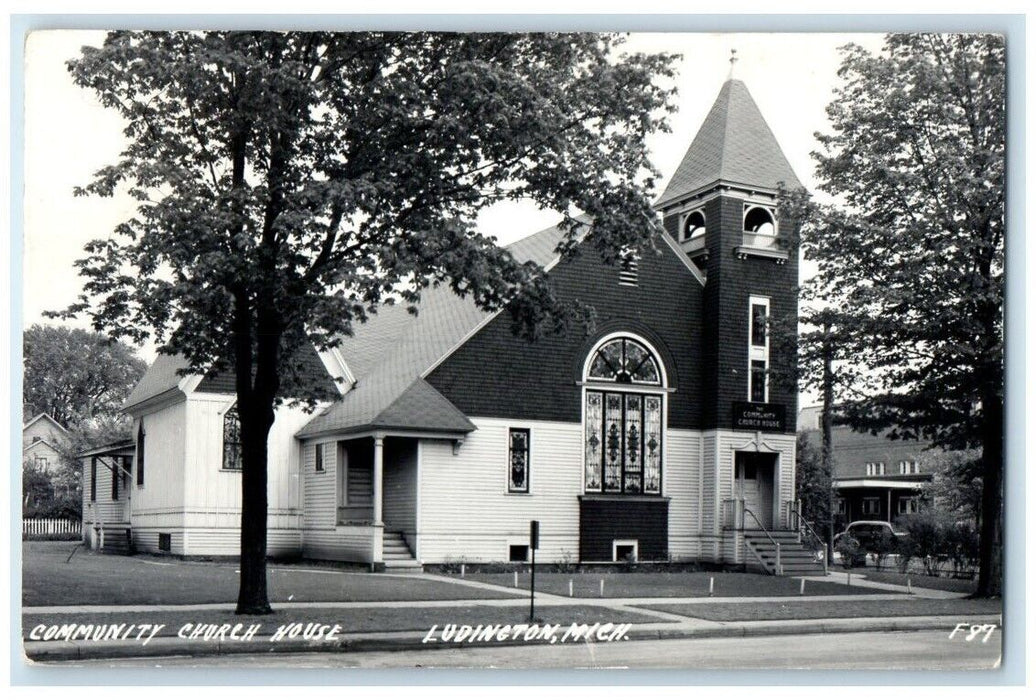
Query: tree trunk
{"x": 990, "y": 546}
{"x": 826, "y": 424}
{"x": 252, "y": 597}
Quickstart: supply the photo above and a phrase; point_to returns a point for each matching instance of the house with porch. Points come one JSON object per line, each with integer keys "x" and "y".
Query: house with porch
{"x": 874, "y": 477}
{"x": 656, "y": 435}
{"x": 40, "y": 437}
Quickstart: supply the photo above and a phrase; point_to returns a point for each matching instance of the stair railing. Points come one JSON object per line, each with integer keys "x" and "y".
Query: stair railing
{"x": 803, "y": 527}
{"x": 779, "y": 570}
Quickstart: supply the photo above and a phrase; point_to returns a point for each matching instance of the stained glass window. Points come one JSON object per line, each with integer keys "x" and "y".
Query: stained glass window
{"x": 518, "y": 461}
{"x": 624, "y": 361}
{"x": 623, "y": 429}
{"x": 231, "y": 440}
{"x": 140, "y": 454}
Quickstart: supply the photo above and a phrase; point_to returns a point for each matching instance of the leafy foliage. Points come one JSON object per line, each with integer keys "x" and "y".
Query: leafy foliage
{"x": 812, "y": 481}
{"x": 324, "y": 174}
{"x": 74, "y": 375}
{"x": 910, "y": 250}
{"x": 289, "y": 184}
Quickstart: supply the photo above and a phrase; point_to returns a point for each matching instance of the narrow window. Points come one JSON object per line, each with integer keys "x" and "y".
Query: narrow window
{"x": 93, "y": 478}
{"x": 841, "y": 506}
{"x": 758, "y": 349}
{"x": 318, "y": 457}
{"x": 518, "y": 460}
{"x": 870, "y": 506}
{"x": 140, "y": 454}
{"x": 232, "y": 440}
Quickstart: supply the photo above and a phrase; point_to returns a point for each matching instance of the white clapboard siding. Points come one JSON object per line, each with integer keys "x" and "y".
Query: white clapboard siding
{"x": 345, "y": 543}
{"x": 399, "y": 498}
{"x": 319, "y": 494}
{"x": 164, "y": 441}
{"x": 682, "y": 473}
{"x": 466, "y": 511}
{"x": 210, "y": 486}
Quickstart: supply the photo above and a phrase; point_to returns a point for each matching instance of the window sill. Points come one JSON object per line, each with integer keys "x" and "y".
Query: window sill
{"x": 518, "y": 493}
{"x": 622, "y": 497}
{"x": 743, "y": 252}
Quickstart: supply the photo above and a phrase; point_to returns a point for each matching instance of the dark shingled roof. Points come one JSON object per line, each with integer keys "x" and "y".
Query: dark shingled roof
{"x": 389, "y": 353}
{"x": 734, "y": 145}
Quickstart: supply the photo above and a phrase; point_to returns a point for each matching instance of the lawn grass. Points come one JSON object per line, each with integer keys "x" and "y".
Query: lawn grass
{"x": 91, "y": 578}
{"x": 670, "y": 584}
{"x": 352, "y": 620}
{"x": 819, "y": 609}
{"x": 939, "y": 583}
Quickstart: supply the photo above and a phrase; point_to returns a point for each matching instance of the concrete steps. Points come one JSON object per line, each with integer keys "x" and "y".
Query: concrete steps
{"x": 396, "y": 554}
{"x": 796, "y": 558}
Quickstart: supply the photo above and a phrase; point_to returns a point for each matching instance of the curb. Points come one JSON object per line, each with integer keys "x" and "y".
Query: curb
{"x": 46, "y": 652}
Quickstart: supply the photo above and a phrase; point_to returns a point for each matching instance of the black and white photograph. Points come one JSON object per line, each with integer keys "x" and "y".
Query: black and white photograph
{"x": 484, "y": 348}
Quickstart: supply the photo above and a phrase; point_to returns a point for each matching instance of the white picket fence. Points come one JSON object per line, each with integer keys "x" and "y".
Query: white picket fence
{"x": 51, "y": 526}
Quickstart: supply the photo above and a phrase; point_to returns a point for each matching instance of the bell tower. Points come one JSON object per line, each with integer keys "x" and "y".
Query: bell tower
{"x": 721, "y": 208}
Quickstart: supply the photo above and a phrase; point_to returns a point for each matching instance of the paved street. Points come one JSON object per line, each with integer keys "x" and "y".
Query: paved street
{"x": 928, "y": 650}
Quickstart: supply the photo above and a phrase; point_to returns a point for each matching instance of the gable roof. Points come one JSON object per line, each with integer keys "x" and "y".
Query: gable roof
{"x": 391, "y": 351}
{"x": 161, "y": 376}
{"x": 734, "y": 145}
{"x": 40, "y": 416}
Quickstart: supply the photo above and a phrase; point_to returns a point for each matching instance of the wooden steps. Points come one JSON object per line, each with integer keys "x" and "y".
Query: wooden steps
{"x": 117, "y": 540}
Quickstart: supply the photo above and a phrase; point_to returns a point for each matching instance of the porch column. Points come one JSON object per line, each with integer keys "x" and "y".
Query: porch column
{"x": 379, "y": 458}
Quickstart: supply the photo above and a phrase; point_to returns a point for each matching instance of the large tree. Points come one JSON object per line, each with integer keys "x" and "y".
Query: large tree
{"x": 910, "y": 254}
{"x": 290, "y": 183}
{"x": 74, "y": 374}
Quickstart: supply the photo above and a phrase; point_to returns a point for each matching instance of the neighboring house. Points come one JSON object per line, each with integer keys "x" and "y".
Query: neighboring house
{"x": 40, "y": 437}
{"x": 874, "y": 477}
{"x": 656, "y": 435}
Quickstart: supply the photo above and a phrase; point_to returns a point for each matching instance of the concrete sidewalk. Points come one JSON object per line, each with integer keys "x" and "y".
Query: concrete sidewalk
{"x": 62, "y": 651}
{"x": 668, "y": 625}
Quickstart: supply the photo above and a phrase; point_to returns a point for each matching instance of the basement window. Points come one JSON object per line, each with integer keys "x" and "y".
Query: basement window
{"x": 624, "y": 550}
{"x": 165, "y": 542}
{"x": 518, "y": 552}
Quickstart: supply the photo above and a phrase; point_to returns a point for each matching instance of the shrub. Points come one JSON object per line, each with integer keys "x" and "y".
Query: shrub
{"x": 961, "y": 545}
{"x": 884, "y": 545}
{"x": 850, "y": 551}
{"x": 925, "y": 539}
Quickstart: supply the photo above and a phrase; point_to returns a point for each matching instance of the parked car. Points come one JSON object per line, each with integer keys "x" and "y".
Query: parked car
{"x": 868, "y": 533}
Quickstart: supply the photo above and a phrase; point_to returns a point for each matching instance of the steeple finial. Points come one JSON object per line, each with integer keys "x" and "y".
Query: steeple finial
{"x": 733, "y": 60}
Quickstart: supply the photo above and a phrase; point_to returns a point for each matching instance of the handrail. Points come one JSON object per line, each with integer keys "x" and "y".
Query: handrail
{"x": 777, "y": 545}
{"x": 820, "y": 541}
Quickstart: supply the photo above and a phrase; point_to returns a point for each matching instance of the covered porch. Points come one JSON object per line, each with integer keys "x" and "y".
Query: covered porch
{"x": 370, "y": 484}
{"x": 107, "y": 493}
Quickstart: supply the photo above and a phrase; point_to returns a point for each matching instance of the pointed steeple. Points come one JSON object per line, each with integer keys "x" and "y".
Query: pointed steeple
{"x": 734, "y": 146}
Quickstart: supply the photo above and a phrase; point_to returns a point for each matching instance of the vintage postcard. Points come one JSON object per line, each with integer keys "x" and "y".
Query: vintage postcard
{"x": 392, "y": 349}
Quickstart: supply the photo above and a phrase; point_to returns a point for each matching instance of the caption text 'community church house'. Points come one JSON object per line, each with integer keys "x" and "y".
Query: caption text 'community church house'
{"x": 659, "y": 436}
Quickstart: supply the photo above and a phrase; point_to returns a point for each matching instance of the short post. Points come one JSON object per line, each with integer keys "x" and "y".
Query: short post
{"x": 516, "y": 578}
{"x": 462, "y": 569}
{"x": 534, "y": 543}
{"x": 570, "y": 588}
{"x": 802, "y": 586}
{"x": 909, "y": 590}
{"x": 602, "y": 587}
{"x": 712, "y": 585}
{"x": 849, "y": 579}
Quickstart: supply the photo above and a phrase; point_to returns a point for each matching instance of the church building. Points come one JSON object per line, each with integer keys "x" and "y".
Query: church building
{"x": 661, "y": 435}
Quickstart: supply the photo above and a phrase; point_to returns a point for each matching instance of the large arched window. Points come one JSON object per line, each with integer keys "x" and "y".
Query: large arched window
{"x": 623, "y": 421}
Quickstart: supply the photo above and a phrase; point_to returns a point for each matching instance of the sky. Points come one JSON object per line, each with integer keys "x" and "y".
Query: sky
{"x": 68, "y": 136}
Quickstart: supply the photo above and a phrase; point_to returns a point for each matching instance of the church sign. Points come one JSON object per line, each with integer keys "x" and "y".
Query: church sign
{"x": 759, "y": 416}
